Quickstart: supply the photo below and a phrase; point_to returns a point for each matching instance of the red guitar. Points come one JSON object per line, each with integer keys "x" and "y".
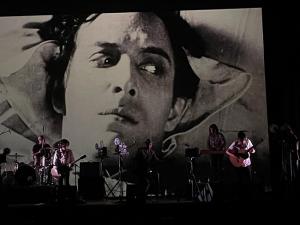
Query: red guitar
{"x": 55, "y": 174}
{"x": 238, "y": 159}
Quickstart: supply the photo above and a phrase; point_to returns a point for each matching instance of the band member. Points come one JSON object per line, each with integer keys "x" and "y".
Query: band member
{"x": 62, "y": 163}
{"x": 239, "y": 154}
{"x": 146, "y": 161}
{"x": 5, "y": 152}
{"x": 216, "y": 144}
{"x": 40, "y": 149}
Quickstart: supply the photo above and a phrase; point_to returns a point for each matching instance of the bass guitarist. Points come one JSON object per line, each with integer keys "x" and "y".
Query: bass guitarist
{"x": 239, "y": 155}
{"x": 62, "y": 163}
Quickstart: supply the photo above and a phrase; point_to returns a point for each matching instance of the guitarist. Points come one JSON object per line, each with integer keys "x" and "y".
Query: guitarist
{"x": 240, "y": 151}
{"x": 62, "y": 162}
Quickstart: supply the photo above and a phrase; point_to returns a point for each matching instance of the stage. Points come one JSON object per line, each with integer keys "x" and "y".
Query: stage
{"x": 162, "y": 211}
{"x": 49, "y": 205}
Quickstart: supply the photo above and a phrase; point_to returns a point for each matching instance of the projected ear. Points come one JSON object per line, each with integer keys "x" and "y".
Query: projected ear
{"x": 176, "y": 113}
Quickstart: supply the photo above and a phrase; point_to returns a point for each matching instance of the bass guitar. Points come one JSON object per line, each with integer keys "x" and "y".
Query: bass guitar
{"x": 238, "y": 159}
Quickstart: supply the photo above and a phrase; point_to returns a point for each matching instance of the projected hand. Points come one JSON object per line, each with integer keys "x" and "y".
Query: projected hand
{"x": 30, "y": 88}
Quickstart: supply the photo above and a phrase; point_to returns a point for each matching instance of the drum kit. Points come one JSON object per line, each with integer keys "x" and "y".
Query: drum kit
{"x": 38, "y": 172}
{"x": 17, "y": 173}
{"x": 43, "y": 168}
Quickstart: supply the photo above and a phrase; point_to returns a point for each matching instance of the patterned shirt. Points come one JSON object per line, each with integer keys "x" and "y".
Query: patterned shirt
{"x": 216, "y": 142}
{"x": 63, "y": 157}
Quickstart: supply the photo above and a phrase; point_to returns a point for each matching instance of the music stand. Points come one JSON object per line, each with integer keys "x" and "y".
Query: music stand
{"x": 102, "y": 153}
{"x": 119, "y": 182}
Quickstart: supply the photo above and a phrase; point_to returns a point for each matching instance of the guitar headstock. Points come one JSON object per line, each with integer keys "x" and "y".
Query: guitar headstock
{"x": 259, "y": 142}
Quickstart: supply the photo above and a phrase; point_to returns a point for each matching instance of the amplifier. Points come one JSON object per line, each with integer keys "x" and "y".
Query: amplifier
{"x": 89, "y": 170}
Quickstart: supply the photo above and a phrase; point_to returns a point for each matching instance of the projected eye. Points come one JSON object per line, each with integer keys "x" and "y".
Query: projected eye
{"x": 152, "y": 67}
{"x": 149, "y": 68}
{"x": 104, "y": 60}
{"x": 152, "y": 64}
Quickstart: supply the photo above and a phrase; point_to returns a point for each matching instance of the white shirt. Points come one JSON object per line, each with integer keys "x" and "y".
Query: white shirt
{"x": 245, "y": 145}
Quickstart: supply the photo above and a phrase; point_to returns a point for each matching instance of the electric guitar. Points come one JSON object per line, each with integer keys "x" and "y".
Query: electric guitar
{"x": 238, "y": 159}
{"x": 55, "y": 174}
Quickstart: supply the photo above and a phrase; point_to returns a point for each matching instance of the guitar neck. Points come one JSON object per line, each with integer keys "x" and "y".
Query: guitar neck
{"x": 75, "y": 161}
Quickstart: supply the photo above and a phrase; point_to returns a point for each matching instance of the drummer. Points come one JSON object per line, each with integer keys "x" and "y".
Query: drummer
{"x": 40, "y": 151}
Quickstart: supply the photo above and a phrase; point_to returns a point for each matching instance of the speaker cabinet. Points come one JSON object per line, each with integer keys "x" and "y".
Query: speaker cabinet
{"x": 89, "y": 170}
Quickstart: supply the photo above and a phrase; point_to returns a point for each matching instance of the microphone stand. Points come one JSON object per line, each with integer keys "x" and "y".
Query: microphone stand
{"x": 75, "y": 173}
{"x": 74, "y": 163}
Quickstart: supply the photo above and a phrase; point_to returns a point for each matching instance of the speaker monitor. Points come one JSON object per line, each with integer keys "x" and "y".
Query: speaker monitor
{"x": 89, "y": 170}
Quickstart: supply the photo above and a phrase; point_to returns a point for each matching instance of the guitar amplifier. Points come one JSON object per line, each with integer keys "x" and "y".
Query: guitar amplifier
{"x": 89, "y": 170}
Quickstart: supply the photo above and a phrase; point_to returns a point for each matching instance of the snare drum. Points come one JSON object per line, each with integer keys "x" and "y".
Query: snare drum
{"x": 8, "y": 178}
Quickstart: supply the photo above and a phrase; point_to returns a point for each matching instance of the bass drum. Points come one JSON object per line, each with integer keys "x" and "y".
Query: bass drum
{"x": 8, "y": 169}
{"x": 25, "y": 175}
{"x": 8, "y": 178}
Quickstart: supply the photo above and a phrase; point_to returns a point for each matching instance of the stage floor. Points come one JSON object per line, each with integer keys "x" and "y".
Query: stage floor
{"x": 32, "y": 206}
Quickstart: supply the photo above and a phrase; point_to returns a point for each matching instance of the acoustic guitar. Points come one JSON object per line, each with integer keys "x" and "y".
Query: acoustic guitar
{"x": 238, "y": 159}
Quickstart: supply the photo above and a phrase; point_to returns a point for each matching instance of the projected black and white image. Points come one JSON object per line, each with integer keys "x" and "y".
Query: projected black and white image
{"x": 135, "y": 91}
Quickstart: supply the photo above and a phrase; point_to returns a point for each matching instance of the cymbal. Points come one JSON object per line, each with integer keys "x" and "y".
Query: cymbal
{"x": 16, "y": 155}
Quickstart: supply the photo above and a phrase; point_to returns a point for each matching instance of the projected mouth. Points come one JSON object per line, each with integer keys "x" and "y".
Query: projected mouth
{"x": 121, "y": 116}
